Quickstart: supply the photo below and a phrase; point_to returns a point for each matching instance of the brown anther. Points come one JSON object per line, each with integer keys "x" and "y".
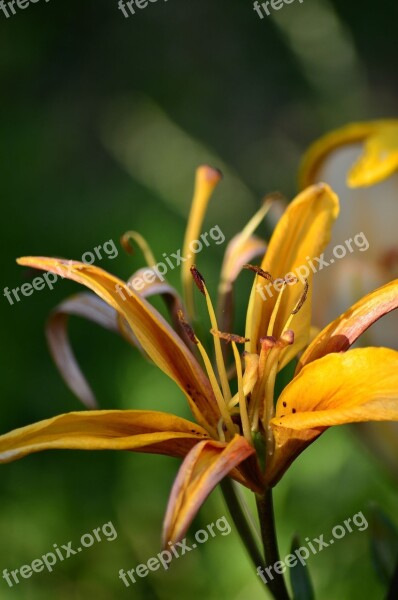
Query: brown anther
{"x": 230, "y": 337}
{"x": 198, "y": 279}
{"x": 259, "y": 271}
{"x": 187, "y": 327}
{"x": 302, "y": 299}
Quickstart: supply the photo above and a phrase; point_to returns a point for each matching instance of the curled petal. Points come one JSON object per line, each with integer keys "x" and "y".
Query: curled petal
{"x": 203, "y": 468}
{"x": 155, "y": 335}
{"x": 137, "y": 430}
{"x": 92, "y": 308}
{"x": 378, "y": 161}
{"x": 344, "y": 331}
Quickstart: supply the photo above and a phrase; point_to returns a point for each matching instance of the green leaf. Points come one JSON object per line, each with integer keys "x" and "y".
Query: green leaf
{"x": 383, "y": 544}
{"x": 300, "y": 577}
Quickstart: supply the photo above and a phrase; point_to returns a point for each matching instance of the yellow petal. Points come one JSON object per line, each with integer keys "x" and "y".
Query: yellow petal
{"x": 155, "y": 335}
{"x": 301, "y": 234}
{"x": 201, "y": 471}
{"x": 377, "y": 162}
{"x": 356, "y": 386}
{"x": 379, "y": 159}
{"x": 138, "y": 430}
{"x": 344, "y": 331}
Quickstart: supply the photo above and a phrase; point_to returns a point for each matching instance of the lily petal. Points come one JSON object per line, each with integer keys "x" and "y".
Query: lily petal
{"x": 344, "y": 331}
{"x": 377, "y": 162}
{"x": 203, "y": 468}
{"x": 138, "y": 430}
{"x": 301, "y": 234}
{"x": 85, "y": 305}
{"x": 155, "y": 335}
{"x": 357, "y": 386}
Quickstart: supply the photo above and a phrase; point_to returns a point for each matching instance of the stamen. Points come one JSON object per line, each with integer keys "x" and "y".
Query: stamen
{"x": 200, "y": 282}
{"x": 230, "y": 337}
{"x": 256, "y": 219}
{"x": 141, "y": 242}
{"x": 298, "y": 306}
{"x": 274, "y": 314}
{"x": 206, "y": 181}
{"x": 198, "y": 279}
{"x": 242, "y": 400}
{"x": 267, "y": 344}
{"x": 259, "y": 271}
{"x": 222, "y": 404}
{"x": 220, "y": 430}
{"x": 187, "y": 327}
{"x": 302, "y": 299}
{"x": 250, "y": 377}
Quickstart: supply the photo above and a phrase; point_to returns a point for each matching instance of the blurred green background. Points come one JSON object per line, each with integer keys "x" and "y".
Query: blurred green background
{"x": 103, "y": 121}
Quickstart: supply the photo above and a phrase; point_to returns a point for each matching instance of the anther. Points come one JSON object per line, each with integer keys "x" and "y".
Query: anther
{"x": 259, "y": 271}
{"x": 229, "y": 337}
{"x": 187, "y": 327}
{"x": 198, "y": 279}
{"x": 302, "y": 299}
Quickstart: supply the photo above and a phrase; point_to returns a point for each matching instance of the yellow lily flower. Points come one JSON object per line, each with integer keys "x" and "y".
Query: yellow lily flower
{"x": 360, "y": 162}
{"x": 328, "y": 387}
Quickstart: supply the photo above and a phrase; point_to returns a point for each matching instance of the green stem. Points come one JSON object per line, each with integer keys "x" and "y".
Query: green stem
{"x": 275, "y": 582}
{"x": 240, "y": 522}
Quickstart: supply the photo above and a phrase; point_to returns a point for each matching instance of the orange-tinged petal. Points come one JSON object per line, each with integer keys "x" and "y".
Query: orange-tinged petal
{"x": 155, "y": 335}
{"x": 201, "y": 471}
{"x": 138, "y": 430}
{"x": 344, "y": 331}
{"x": 301, "y": 234}
{"x": 356, "y": 386}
